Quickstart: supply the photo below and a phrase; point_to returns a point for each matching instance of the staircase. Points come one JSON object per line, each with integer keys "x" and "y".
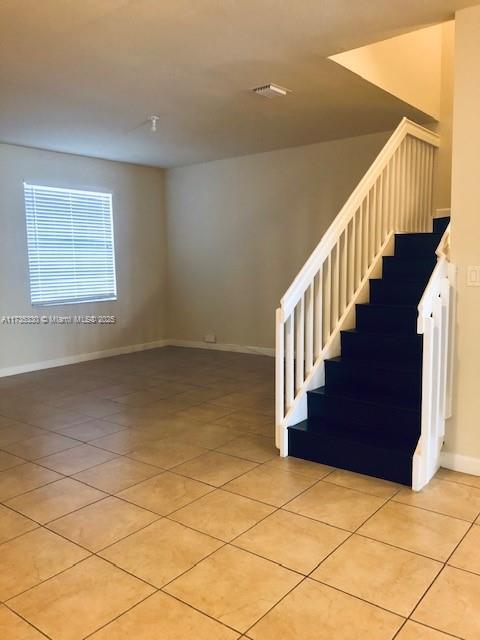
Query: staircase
{"x": 363, "y": 334}
{"x": 367, "y": 416}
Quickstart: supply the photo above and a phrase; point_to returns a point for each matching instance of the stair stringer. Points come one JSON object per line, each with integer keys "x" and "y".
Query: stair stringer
{"x": 298, "y": 411}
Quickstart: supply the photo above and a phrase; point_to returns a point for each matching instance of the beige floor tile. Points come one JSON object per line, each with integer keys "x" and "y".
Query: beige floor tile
{"x": 117, "y": 474}
{"x": 215, "y": 468}
{"x": 452, "y": 604}
{"x": 291, "y": 540}
{"x": 55, "y": 500}
{"x": 94, "y": 407}
{"x": 241, "y": 587}
{"x": 101, "y": 524}
{"x": 449, "y": 498}
{"x": 417, "y": 530}
{"x": 165, "y": 493}
{"x": 161, "y": 552}
{"x": 165, "y": 453}
{"x": 270, "y": 485}
{"x": 86, "y": 431}
{"x": 314, "y": 611}
{"x": 391, "y": 578}
{"x": 258, "y": 402}
{"x": 222, "y": 514}
{"x": 161, "y": 616}
{"x": 33, "y": 557}
{"x": 18, "y": 431}
{"x": 40, "y": 446}
{"x": 136, "y": 418}
{"x": 114, "y": 391}
{"x": 414, "y": 631}
{"x": 141, "y": 398}
{"x": 254, "y": 448}
{"x": 12, "y": 627}
{"x": 7, "y": 461}
{"x": 374, "y": 486}
{"x": 457, "y": 476}
{"x": 313, "y": 470}
{"x": 121, "y": 442}
{"x": 56, "y": 418}
{"x": 467, "y": 554}
{"x": 77, "y": 459}
{"x": 336, "y": 505}
{"x": 25, "y": 477}
{"x": 249, "y": 422}
{"x": 204, "y": 412}
{"x": 12, "y": 524}
{"x": 80, "y": 600}
{"x": 162, "y": 408}
{"x": 209, "y": 436}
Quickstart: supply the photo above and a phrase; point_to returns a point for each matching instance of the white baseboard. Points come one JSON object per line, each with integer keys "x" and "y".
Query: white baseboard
{"x": 442, "y": 213}
{"x": 457, "y": 462}
{"x": 117, "y": 351}
{"x": 82, "y": 357}
{"x": 216, "y": 346}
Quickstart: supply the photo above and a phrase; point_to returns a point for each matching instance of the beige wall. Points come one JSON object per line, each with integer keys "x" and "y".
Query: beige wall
{"x": 443, "y": 174}
{"x": 418, "y": 68}
{"x": 240, "y": 229}
{"x": 407, "y": 66}
{"x": 139, "y": 246}
{"x": 463, "y": 432}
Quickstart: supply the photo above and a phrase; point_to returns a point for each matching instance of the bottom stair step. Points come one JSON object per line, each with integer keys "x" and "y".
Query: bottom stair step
{"x": 380, "y": 457}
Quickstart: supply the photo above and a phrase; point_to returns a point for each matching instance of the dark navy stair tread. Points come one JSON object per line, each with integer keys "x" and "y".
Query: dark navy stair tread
{"x": 423, "y": 234}
{"x": 368, "y": 398}
{"x": 400, "y": 279}
{"x": 407, "y": 280}
{"x": 379, "y": 365}
{"x": 321, "y": 428}
{"x": 386, "y": 305}
{"x": 441, "y": 223}
{"x": 420, "y": 260}
{"x": 393, "y": 335}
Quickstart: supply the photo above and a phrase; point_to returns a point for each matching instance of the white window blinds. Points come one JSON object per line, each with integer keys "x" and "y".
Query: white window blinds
{"x": 70, "y": 245}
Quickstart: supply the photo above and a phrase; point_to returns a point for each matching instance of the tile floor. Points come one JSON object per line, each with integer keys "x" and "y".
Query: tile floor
{"x": 142, "y": 497}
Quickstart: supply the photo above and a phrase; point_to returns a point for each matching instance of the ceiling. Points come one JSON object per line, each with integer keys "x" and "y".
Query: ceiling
{"x": 82, "y": 76}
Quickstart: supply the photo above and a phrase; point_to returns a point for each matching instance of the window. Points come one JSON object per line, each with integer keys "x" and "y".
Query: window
{"x": 70, "y": 245}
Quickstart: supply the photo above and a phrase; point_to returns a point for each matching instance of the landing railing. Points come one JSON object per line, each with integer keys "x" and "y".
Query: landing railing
{"x": 395, "y": 195}
{"x": 436, "y": 324}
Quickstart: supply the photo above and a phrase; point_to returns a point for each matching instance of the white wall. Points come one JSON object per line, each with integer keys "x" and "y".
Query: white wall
{"x": 139, "y": 221}
{"x": 239, "y": 230}
{"x": 407, "y": 66}
{"x": 463, "y": 431}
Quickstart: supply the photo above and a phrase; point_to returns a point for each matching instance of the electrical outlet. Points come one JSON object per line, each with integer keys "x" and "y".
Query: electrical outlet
{"x": 210, "y": 337}
{"x": 473, "y": 276}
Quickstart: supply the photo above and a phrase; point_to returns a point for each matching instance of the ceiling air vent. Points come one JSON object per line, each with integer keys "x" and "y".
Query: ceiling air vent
{"x": 271, "y": 91}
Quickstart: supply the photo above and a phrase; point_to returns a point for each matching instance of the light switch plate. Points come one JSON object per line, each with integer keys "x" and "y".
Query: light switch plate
{"x": 473, "y": 276}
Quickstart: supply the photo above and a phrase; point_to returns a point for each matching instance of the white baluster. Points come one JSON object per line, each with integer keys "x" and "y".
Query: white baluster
{"x": 309, "y": 328}
{"x": 319, "y": 315}
{"x": 279, "y": 377}
{"x": 289, "y": 362}
{"x": 300, "y": 344}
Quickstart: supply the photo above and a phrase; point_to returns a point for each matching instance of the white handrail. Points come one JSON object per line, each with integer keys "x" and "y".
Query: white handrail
{"x": 435, "y": 323}
{"x": 425, "y": 306}
{"x": 329, "y": 239}
{"x": 395, "y": 195}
